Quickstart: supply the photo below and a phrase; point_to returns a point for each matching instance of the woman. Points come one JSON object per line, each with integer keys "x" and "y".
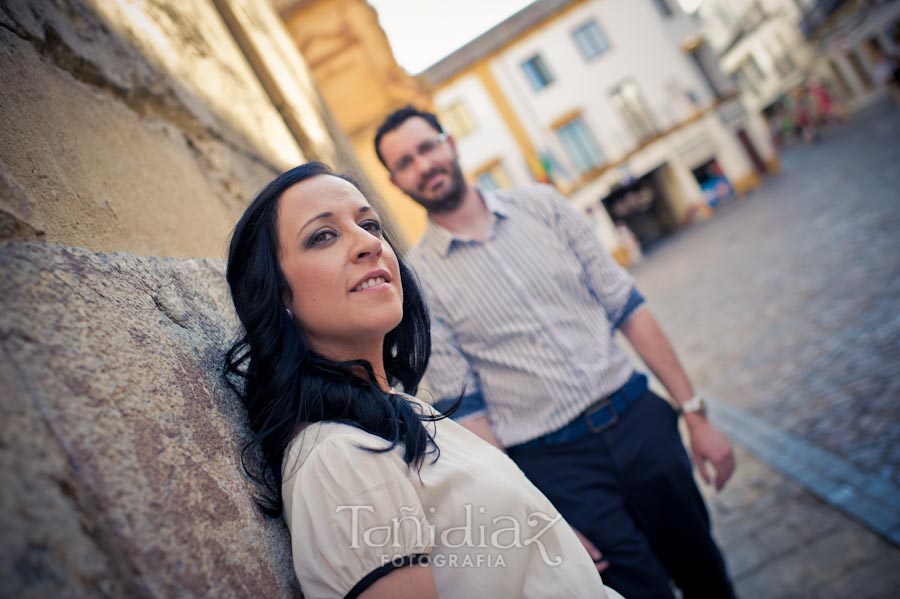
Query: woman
{"x": 383, "y": 497}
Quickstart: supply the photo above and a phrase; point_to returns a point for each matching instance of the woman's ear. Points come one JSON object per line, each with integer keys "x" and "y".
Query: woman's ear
{"x": 286, "y": 302}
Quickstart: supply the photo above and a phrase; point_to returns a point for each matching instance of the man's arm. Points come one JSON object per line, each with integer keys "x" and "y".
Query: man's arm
{"x": 708, "y": 446}
{"x": 481, "y": 427}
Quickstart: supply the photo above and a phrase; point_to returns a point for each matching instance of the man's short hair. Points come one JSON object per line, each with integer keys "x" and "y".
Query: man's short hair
{"x": 397, "y": 118}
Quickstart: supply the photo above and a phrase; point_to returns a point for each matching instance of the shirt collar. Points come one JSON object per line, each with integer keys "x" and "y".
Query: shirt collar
{"x": 441, "y": 240}
{"x": 495, "y": 204}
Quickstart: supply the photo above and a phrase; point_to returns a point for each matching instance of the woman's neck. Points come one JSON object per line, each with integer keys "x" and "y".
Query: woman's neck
{"x": 374, "y": 356}
{"x": 380, "y": 375}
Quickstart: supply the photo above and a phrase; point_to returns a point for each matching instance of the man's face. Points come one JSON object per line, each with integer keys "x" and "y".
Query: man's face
{"x": 423, "y": 164}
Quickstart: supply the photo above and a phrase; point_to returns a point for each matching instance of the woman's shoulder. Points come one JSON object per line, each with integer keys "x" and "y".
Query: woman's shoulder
{"x": 323, "y": 439}
{"x": 337, "y": 443}
{"x": 420, "y": 405}
{"x": 333, "y": 461}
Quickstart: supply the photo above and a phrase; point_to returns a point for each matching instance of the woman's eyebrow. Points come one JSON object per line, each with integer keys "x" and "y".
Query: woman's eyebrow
{"x": 324, "y": 215}
{"x": 313, "y": 219}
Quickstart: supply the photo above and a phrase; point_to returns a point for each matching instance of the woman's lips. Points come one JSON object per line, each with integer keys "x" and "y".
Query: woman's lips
{"x": 370, "y": 283}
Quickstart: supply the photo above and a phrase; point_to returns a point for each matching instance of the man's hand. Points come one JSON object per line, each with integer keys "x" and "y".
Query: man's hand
{"x": 709, "y": 447}
{"x": 592, "y": 550}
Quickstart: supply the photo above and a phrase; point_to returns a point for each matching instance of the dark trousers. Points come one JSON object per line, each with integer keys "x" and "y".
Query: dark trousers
{"x": 630, "y": 490}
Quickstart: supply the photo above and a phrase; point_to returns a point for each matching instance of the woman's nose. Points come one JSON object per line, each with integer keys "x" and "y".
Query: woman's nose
{"x": 366, "y": 246}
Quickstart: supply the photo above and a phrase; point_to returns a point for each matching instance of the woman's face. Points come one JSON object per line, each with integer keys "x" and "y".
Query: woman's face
{"x": 346, "y": 292}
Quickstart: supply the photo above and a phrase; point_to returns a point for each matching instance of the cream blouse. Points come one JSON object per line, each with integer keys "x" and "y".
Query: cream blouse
{"x": 488, "y": 531}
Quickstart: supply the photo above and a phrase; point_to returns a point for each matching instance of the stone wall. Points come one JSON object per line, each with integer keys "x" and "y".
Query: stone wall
{"x": 141, "y": 127}
{"x": 146, "y": 126}
{"x": 120, "y": 444}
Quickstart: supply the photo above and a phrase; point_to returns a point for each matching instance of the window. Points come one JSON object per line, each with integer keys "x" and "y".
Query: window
{"x": 590, "y": 40}
{"x": 749, "y": 75}
{"x": 458, "y": 119}
{"x": 840, "y": 78}
{"x": 663, "y": 7}
{"x": 537, "y": 72}
{"x": 783, "y": 62}
{"x": 860, "y": 70}
{"x": 580, "y": 145}
{"x": 781, "y": 57}
{"x": 744, "y": 83}
{"x": 752, "y": 68}
{"x": 493, "y": 176}
{"x": 700, "y": 55}
{"x": 627, "y": 100}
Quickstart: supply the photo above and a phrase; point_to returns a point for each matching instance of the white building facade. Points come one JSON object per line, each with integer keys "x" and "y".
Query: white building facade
{"x": 769, "y": 47}
{"x": 759, "y": 44}
{"x": 847, "y": 37}
{"x": 618, "y": 101}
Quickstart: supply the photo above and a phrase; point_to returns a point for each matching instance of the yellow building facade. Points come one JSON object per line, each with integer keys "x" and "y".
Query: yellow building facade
{"x": 360, "y": 81}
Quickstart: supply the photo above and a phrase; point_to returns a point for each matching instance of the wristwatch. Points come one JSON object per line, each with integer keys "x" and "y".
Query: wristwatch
{"x": 695, "y": 404}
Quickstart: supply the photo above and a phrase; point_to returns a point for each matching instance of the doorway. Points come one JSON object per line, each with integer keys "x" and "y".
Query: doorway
{"x": 642, "y": 206}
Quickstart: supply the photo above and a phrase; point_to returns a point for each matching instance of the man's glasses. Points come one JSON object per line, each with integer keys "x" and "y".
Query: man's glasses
{"x": 426, "y": 148}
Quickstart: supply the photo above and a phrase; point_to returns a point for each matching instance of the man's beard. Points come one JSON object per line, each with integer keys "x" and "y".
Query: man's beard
{"x": 452, "y": 197}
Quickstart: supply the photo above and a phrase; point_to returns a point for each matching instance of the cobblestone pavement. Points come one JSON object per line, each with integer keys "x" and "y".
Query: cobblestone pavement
{"x": 780, "y": 541}
{"x": 786, "y": 305}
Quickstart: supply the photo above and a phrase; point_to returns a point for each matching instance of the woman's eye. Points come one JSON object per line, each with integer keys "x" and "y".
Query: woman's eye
{"x": 372, "y": 226}
{"x": 320, "y": 237}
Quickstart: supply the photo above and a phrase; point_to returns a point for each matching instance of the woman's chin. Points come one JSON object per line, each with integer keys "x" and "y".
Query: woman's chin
{"x": 393, "y": 322}
{"x": 379, "y": 323}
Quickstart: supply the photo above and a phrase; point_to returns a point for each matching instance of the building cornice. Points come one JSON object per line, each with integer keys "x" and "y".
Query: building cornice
{"x": 496, "y": 39}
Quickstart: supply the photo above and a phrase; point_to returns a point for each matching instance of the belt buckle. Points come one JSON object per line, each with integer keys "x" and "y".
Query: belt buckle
{"x": 593, "y": 410}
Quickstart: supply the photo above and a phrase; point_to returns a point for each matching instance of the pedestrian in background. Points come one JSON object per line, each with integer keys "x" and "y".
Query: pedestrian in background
{"x": 823, "y": 103}
{"x": 805, "y": 122}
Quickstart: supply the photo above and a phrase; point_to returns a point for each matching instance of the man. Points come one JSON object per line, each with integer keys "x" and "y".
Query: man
{"x": 524, "y": 302}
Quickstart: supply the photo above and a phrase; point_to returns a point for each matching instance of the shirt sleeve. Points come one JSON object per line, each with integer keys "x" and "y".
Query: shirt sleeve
{"x": 450, "y": 374}
{"x": 353, "y": 516}
{"x": 610, "y": 284}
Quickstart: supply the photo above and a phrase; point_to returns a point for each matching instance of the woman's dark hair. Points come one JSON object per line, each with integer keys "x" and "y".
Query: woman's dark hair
{"x": 285, "y": 383}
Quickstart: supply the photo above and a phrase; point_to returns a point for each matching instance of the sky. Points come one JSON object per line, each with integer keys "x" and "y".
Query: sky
{"x": 422, "y": 32}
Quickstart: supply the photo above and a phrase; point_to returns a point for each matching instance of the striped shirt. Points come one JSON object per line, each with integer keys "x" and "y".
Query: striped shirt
{"x": 523, "y": 322}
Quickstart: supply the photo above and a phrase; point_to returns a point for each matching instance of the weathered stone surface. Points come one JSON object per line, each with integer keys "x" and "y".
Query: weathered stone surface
{"x": 90, "y": 172}
{"x": 124, "y": 125}
{"x": 119, "y": 442}
{"x": 17, "y": 220}
{"x": 175, "y": 60}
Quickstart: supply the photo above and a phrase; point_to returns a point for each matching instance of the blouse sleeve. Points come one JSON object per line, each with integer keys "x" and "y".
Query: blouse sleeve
{"x": 353, "y": 515}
